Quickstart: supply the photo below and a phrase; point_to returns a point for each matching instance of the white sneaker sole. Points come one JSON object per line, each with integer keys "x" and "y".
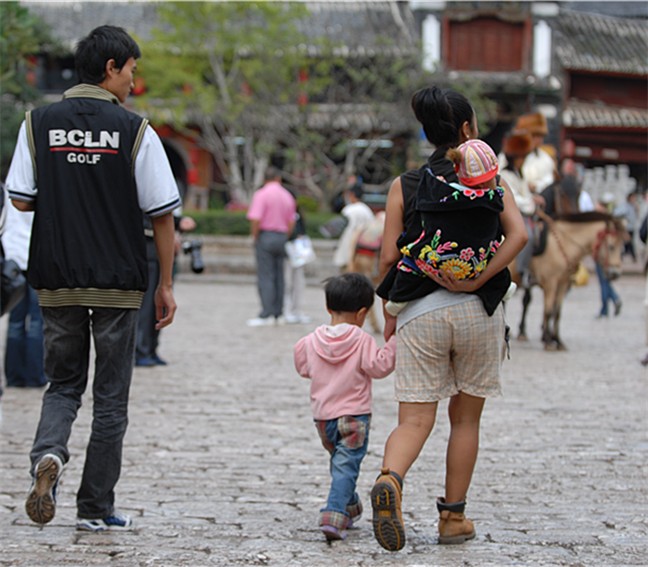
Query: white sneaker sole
{"x": 40, "y": 505}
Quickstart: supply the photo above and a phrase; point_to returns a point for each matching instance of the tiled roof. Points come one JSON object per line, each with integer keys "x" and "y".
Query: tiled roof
{"x": 618, "y": 8}
{"x": 592, "y": 42}
{"x": 363, "y": 27}
{"x": 578, "y": 114}
{"x": 70, "y": 21}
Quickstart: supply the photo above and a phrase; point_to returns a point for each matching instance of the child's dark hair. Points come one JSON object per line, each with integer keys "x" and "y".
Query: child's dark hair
{"x": 455, "y": 156}
{"x": 441, "y": 112}
{"x": 348, "y": 293}
{"x": 98, "y": 47}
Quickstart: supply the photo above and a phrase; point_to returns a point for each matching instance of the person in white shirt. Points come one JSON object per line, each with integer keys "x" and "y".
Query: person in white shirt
{"x": 358, "y": 216}
{"x": 539, "y": 168}
{"x": 516, "y": 149}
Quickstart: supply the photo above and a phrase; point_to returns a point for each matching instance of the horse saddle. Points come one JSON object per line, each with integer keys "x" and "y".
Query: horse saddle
{"x": 540, "y": 234}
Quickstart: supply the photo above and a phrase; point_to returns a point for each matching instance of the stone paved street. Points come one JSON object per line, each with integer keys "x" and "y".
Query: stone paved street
{"x": 222, "y": 465}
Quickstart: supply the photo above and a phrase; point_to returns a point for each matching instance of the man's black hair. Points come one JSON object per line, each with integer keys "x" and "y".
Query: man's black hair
{"x": 98, "y": 47}
{"x": 348, "y": 293}
{"x": 272, "y": 173}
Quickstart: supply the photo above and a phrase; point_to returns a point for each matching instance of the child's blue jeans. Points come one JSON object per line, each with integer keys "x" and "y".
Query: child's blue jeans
{"x": 346, "y": 439}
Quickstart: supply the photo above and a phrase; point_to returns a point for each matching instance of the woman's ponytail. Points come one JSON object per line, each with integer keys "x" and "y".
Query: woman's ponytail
{"x": 441, "y": 112}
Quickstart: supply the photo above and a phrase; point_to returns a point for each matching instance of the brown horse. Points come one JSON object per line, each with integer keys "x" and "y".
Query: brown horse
{"x": 570, "y": 239}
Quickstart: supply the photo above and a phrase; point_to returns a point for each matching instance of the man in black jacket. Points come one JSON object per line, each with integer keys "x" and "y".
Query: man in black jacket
{"x": 88, "y": 168}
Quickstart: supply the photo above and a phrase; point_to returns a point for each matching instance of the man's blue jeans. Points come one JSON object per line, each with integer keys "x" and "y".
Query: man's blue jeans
{"x": 346, "y": 439}
{"x": 67, "y": 351}
{"x": 24, "y": 349}
{"x": 607, "y": 291}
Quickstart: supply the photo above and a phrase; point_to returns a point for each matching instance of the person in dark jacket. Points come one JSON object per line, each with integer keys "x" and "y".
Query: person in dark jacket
{"x": 89, "y": 168}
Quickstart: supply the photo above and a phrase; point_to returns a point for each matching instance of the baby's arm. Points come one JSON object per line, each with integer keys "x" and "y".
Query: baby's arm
{"x": 379, "y": 362}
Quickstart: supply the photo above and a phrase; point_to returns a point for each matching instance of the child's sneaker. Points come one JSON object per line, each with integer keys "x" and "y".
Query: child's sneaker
{"x": 332, "y": 533}
{"x": 41, "y": 501}
{"x": 116, "y": 521}
{"x": 388, "y": 525}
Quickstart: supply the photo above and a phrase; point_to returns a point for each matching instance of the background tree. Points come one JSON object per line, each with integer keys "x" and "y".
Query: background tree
{"x": 348, "y": 127}
{"x": 229, "y": 69}
{"x": 246, "y": 84}
{"x": 21, "y": 35}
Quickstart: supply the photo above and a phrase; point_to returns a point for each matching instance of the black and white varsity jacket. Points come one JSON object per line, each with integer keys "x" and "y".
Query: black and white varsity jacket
{"x": 87, "y": 246}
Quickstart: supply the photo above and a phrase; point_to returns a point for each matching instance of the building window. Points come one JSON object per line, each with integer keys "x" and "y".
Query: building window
{"x": 485, "y": 44}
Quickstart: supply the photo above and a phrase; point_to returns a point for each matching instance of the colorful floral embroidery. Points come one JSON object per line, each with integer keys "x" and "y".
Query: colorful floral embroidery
{"x": 458, "y": 267}
{"x": 429, "y": 253}
{"x": 472, "y": 194}
{"x": 464, "y": 263}
{"x": 466, "y": 254}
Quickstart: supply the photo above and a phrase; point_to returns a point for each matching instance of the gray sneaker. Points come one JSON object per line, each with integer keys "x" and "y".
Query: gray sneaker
{"x": 41, "y": 501}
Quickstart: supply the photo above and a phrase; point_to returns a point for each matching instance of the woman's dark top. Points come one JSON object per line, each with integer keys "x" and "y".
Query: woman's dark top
{"x": 468, "y": 221}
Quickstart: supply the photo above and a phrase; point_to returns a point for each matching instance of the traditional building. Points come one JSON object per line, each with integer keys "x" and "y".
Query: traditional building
{"x": 585, "y": 71}
{"x": 605, "y": 97}
{"x": 582, "y": 64}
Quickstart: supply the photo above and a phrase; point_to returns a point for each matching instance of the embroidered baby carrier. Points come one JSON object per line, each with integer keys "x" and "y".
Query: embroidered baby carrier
{"x": 460, "y": 231}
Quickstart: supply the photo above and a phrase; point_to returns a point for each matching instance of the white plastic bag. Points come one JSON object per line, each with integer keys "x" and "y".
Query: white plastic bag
{"x": 300, "y": 251}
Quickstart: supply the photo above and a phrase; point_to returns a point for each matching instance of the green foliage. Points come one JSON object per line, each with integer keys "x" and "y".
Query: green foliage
{"x": 229, "y": 68}
{"x": 220, "y": 222}
{"x": 234, "y": 223}
{"x": 21, "y": 34}
{"x": 307, "y": 204}
{"x": 232, "y": 71}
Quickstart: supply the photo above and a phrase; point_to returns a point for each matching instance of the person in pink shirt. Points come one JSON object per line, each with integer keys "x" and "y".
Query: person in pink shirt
{"x": 272, "y": 215}
{"x": 341, "y": 360}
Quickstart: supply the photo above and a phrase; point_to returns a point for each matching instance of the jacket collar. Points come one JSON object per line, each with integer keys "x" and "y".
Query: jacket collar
{"x": 85, "y": 90}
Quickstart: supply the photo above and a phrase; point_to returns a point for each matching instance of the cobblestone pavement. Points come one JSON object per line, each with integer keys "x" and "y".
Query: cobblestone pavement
{"x": 223, "y": 466}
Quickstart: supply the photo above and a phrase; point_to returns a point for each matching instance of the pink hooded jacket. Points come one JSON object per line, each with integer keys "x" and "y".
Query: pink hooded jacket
{"x": 341, "y": 361}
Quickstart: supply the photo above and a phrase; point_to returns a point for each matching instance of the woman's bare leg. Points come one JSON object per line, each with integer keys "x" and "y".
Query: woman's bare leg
{"x": 415, "y": 423}
{"x": 463, "y": 445}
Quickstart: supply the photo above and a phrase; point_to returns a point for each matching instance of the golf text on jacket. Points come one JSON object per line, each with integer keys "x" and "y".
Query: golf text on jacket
{"x": 83, "y": 147}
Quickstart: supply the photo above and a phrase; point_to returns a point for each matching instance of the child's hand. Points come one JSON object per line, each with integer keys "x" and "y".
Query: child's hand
{"x": 390, "y": 326}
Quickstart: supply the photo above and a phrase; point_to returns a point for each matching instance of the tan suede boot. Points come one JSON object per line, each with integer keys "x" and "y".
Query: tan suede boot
{"x": 454, "y": 527}
{"x": 388, "y": 525}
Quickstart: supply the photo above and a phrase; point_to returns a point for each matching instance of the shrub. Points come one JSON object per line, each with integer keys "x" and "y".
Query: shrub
{"x": 307, "y": 204}
{"x": 234, "y": 223}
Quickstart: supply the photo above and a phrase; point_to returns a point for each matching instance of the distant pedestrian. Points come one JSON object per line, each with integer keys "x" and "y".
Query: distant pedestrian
{"x": 148, "y": 336}
{"x": 517, "y": 146}
{"x": 341, "y": 360}
{"x": 24, "y": 360}
{"x": 4, "y": 202}
{"x": 644, "y": 360}
{"x": 89, "y": 169}
{"x": 629, "y": 210}
{"x": 272, "y": 219}
{"x": 295, "y": 276}
{"x": 366, "y": 251}
{"x": 600, "y": 256}
{"x": 358, "y": 215}
{"x": 539, "y": 169}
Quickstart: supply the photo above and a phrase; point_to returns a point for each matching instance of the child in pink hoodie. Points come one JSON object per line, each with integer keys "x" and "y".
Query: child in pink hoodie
{"x": 341, "y": 360}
